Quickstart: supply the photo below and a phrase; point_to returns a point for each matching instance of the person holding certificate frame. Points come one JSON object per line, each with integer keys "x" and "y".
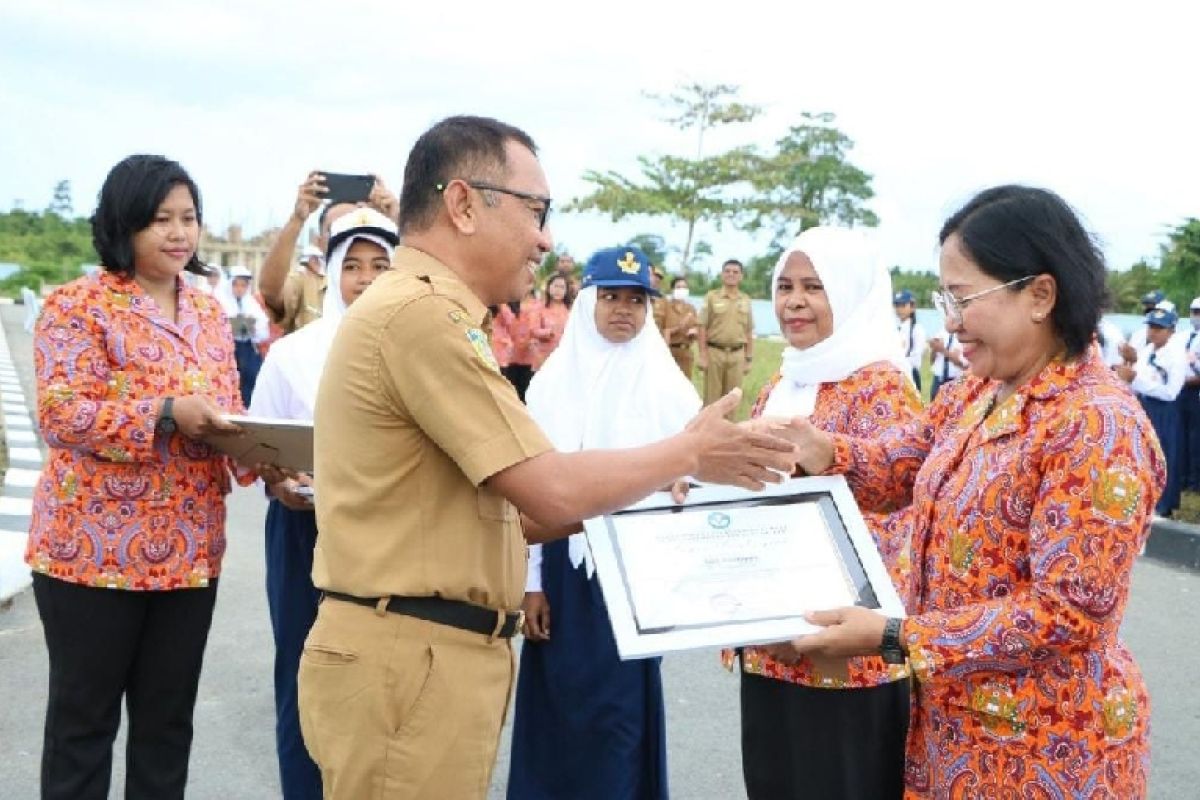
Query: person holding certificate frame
{"x": 586, "y": 724}
{"x": 361, "y": 244}
{"x": 804, "y": 721}
{"x": 1032, "y": 482}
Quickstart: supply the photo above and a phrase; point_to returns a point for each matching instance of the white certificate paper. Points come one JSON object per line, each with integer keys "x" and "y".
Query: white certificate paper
{"x": 742, "y": 564}
{"x": 731, "y": 567}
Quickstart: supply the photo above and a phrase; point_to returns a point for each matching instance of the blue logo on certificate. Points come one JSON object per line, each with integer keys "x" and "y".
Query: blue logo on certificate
{"x": 718, "y": 520}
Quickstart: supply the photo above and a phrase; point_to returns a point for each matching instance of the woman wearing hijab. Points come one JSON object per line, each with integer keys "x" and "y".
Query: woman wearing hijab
{"x": 588, "y": 725}
{"x": 828, "y": 727}
{"x": 360, "y": 249}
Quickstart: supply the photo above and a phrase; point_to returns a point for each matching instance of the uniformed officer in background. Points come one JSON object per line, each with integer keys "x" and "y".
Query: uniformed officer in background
{"x": 726, "y": 334}
{"x": 681, "y": 324}
{"x": 424, "y": 455}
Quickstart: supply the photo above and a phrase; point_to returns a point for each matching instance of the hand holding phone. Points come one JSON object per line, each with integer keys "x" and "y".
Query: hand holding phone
{"x": 341, "y": 188}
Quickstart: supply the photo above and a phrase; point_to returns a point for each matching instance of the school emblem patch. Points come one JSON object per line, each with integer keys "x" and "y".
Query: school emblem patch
{"x": 483, "y": 348}
{"x": 629, "y": 264}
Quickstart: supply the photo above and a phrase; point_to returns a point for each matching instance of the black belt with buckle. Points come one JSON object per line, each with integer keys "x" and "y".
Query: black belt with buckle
{"x": 728, "y": 348}
{"x": 455, "y": 613}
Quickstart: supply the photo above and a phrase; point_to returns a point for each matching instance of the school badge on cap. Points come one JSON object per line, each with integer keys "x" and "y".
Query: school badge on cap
{"x": 619, "y": 266}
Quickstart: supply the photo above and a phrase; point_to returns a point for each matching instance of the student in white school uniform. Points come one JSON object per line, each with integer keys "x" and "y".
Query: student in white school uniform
{"x": 1110, "y": 339}
{"x": 361, "y": 244}
{"x": 1189, "y": 402}
{"x": 250, "y": 327}
{"x": 946, "y": 360}
{"x": 912, "y": 335}
{"x": 1157, "y": 378}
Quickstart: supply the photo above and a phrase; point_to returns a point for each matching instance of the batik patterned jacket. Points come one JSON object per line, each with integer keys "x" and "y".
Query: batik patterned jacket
{"x": 864, "y": 404}
{"x": 119, "y": 505}
{"x": 1026, "y": 519}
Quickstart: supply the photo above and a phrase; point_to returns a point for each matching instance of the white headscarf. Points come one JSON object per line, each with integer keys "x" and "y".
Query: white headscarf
{"x": 299, "y": 357}
{"x": 592, "y": 393}
{"x": 859, "y": 291}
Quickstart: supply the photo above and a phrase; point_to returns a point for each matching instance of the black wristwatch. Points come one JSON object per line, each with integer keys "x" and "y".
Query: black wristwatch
{"x": 166, "y": 417}
{"x": 890, "y": 648}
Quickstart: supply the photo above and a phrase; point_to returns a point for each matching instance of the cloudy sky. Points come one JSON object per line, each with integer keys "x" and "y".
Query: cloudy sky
{"x": 942, "y": 99}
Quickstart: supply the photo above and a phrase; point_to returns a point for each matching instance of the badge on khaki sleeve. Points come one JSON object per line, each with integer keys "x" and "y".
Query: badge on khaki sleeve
{"x": 483, "y": 348}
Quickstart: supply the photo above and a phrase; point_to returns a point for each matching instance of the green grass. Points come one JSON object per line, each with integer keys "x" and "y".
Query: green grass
{"x": 765, "y": 364}
{"x": 767, "y": 353}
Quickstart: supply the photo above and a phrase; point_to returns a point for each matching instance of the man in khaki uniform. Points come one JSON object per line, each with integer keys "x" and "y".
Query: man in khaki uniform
{"x": 658, "y": 305}
{"x": 681, "y": 325}
{"x": 424, "y": 455}
{"x": 726, "y": 335}
{"x": 295, "y": 297}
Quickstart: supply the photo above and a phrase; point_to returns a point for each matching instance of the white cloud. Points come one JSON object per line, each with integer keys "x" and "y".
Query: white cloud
{"x": 942, "y": 98}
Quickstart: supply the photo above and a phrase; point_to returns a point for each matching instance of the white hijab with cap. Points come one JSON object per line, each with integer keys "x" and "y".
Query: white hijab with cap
{"x": 592, "y": 393}
{"x": 297, "y": 360}
{"x": 859, "y": 291}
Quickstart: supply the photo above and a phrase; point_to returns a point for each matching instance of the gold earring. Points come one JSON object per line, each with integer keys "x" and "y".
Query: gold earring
{"x": 1038, "y": 317}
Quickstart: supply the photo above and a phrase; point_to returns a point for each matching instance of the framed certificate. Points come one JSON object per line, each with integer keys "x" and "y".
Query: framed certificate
{"x": 731, "y": 567}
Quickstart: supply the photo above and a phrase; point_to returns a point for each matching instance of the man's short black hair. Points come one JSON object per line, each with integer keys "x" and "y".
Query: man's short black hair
{"x": 456, "y": 147}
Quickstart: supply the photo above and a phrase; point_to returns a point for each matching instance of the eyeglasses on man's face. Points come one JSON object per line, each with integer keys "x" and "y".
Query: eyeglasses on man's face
{"x": 952, "y": 307}
{"x": 541, "y": 210}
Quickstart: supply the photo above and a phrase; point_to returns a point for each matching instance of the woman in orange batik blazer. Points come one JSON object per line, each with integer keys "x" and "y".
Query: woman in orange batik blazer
{"x": 828, "y": 727}
{"x": 128, "y": 522}
{"x": 1035, "y": 479}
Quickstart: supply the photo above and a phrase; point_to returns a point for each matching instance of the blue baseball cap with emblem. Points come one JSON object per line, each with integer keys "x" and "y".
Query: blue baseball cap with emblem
{"x": 1152, "y": 298}
{"x": 903, "y": 298}
{"x": 619, "y": 266}
{"x": 1162, "y": 318}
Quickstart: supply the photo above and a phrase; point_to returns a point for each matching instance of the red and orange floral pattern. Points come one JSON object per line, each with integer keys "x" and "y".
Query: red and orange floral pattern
{"x": 864, "y": 404}
{"x": 117, "y": 504}
{"x": 1026, "y": 520}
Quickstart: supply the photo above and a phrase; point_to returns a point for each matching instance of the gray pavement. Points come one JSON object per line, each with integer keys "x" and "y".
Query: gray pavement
{"x": 234, "y": 755}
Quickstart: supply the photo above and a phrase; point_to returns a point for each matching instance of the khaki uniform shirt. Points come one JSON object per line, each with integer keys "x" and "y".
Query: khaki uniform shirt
{"x": 658, "y": 307}
{"x": 681, "y": 315}
{"x": 726, "y": 318}
{"x": 303, "y": 300}
{"x": 412, "y": 417}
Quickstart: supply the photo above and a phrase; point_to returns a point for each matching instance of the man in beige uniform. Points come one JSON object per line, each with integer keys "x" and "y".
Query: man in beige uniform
{"x": 726, "y": 335}
{"x": 424, "y": 455}
{"x": 680, "y": 325}
{"x": 295, "y": 297}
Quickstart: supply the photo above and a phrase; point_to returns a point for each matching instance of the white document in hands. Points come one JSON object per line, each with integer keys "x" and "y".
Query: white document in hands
{"x": 732, "y": 565}
{"x": 286, "y": 443}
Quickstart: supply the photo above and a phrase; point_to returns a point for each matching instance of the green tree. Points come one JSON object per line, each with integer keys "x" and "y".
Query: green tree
{"x": 1179, "y": 267}
{"x": 1128, "y": 286}
{"x": 691, "y": 190}
{"x": 921, "y": 283}
{"x": 61, "y": 204}
{"x": 808, "y": 181}
{"x": 654, "y": 246}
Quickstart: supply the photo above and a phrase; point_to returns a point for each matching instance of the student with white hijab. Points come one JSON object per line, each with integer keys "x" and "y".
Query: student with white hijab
{"x": 586, "y": 724}
{"x": 831, "y": 728}
{"x": 360, "y": 249}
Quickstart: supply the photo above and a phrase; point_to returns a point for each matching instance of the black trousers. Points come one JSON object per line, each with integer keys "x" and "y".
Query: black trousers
{"x": 109, "y": 644}
{"x": 800, "y": 742}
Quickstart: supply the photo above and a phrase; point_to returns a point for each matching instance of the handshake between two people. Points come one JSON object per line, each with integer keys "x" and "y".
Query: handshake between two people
{"x": 754, "y": 453}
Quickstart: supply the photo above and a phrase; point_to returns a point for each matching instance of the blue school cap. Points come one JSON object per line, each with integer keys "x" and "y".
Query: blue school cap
{"x": 1162, "y": 318}
{"x": 619, "y": 266}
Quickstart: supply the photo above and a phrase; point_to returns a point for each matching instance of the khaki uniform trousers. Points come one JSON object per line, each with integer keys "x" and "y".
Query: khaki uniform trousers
{"x": 726, "y": 370}
{"x": 393, "y": 707}
{"x": 683, "y": 357}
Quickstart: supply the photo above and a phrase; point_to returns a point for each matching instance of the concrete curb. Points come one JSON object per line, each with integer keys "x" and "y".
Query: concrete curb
{"x": 1176, "y": 543}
